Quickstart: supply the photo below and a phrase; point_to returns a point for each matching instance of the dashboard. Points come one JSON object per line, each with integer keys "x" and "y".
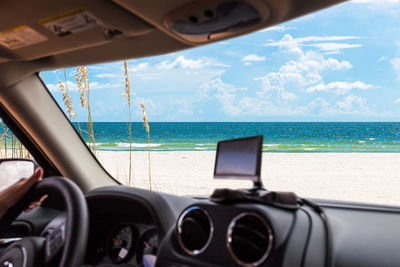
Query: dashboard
{"x": 134, "y": 227}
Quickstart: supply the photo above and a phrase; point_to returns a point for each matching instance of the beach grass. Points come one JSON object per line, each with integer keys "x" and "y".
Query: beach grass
{"x": 82, "y": 82}
{"x": 68, "y": 101}
{"x": 10, "y": 146}
{"x": 127, "y": 97}
{"x": 147, "y": 127}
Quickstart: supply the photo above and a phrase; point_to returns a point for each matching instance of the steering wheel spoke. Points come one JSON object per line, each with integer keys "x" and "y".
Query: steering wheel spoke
{"x": 26, "y": 252}
{"x": 55, "y": 240}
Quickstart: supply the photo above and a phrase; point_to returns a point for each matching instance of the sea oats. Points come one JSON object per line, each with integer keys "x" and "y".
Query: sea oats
{"x": 80, "y": 77}
{"x": 127, "y": 97}
{"x": 67, "y": 100}
{"x": 147, "y": 127}
{"x": 82, "y": 82}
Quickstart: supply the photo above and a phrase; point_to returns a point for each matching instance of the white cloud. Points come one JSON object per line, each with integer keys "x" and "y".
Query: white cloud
{"x": 325, "y": 38}
{"x": 92, "y": 85}
{"x": 183, "y": 106}
{"x": 217, "y": 87}
{"x": 288, "y": 96}
{"x": 97, "y": 85}
{"x": 324, "y": 43}
{"x": 339, "y": 88}
{"x": 118, "y": 70}
{"x": 353, "y": 105}
{"x": 333, "y": 48}
{"x": 350, "y": 105}
{"x": 288, "y": 39}
{"x": 396, "y": 66}
{"x": 388, "y": 8}
{"x": 317, "y": 106}
{"x": 52, "y": 87}
{"x": 223, "y": 92}
{"x": 151, "y": 107}
{"x": 397, "y": 101}
{"x": 253, "y": 57}
{"x": 235, "y": 106}
{"x": 377, "y": 2}
{"x": 279, "y": 28}
{"x": 94, "y": 67}
{"x": 108, "y": 75}
{"x": 56, "y": 87}
{"x": 167, "y": 72}
{"x": 304, "y": 69}
{"x": 139, "y": 67}
{"x": 182, "y": 62}
{"x": 278, "y": 97}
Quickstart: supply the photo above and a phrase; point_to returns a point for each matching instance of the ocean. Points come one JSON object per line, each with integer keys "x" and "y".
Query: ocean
{"x": 302, "y": 137}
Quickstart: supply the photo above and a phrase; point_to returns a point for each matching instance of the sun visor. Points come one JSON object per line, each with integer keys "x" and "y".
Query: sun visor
{"x": 46, "y": 29}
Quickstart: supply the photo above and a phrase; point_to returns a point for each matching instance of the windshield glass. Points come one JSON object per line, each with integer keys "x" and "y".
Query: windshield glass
{"x": 321, "y": 89}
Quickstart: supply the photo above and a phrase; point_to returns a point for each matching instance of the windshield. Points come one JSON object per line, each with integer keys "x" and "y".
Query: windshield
{"x": 321, "y": 89}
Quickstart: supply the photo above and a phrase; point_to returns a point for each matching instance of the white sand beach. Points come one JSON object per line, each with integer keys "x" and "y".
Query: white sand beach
{"x": 362, "y": 177}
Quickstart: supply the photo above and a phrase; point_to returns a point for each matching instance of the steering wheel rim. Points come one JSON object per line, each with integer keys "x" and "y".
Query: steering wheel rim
{"x": 77, "y": 224}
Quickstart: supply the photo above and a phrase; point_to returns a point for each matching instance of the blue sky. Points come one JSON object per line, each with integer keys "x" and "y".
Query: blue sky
{"x": 339, "y": 64}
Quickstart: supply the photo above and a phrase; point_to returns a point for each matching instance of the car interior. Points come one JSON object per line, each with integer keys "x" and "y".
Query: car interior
{"x": 79, "y": 224}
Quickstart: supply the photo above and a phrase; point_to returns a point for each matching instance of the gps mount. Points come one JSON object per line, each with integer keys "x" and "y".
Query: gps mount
{"x": 240, "y": 159}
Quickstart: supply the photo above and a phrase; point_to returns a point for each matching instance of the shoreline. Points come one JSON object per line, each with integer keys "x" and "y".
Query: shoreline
{"x": 360, "y": 177}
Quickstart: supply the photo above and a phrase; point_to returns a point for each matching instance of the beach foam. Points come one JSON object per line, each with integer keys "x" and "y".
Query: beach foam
{"x": 138, "y": 145}
{"x": 271, "y": 145}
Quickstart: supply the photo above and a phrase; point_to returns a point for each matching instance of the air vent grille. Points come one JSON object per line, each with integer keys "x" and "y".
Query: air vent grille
{"x": 195, "y": 230}
{"x": 249, "y": 239}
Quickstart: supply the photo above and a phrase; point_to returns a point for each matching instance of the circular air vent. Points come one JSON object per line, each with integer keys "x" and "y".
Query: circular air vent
{"x": 249, "y": 239}
{"x": 195, "y": 230}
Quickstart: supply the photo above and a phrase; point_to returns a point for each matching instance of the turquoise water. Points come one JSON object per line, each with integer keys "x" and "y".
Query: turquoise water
{"x": 278, "y": 136}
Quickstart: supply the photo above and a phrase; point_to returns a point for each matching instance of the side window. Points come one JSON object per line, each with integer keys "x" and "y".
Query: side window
{"x": 10, "y": 146}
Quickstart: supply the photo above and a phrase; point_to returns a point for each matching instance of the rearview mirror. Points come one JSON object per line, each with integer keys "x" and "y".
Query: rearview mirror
{"x": 12, "y": 170}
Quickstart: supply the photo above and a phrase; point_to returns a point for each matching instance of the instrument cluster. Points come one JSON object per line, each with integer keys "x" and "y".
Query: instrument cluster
{"x": 125, "y": 244}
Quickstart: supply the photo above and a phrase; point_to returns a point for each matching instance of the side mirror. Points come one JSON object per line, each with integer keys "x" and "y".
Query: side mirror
{"x": 12, "y": 170}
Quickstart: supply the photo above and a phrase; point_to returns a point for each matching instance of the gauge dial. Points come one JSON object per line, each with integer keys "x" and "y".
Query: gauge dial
{"x": 147, "y": 249}
{"x": 122, "y": 244}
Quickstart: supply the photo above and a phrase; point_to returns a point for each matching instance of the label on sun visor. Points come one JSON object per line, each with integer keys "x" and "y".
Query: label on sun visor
{"x": 70, "y": 22}
{"x": 20, "y": 36}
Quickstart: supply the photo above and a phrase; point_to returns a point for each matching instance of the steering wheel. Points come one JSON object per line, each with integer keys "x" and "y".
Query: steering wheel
{"x": 68, "y": 240}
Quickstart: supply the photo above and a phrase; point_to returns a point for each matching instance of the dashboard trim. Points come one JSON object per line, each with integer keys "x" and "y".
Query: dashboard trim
{"x": 179, "y": 228}
{"x": 229, "y": 232}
